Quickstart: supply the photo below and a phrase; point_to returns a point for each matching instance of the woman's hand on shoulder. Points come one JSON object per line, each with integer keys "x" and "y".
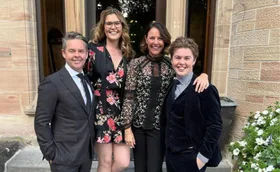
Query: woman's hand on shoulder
{"x": 201, "y": 83}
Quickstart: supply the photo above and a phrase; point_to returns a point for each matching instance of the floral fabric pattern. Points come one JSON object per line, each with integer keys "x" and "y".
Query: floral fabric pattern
{"x": 138, "y": 90}
{"x": 107, "y": 125}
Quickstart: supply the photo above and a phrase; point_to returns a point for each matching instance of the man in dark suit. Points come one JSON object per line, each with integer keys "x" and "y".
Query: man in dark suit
{"x": 191, "y": 121}
{"x": 65, "y": 111}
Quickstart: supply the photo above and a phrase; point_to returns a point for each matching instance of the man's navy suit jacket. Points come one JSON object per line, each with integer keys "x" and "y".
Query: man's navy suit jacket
{"x": 197, "y": 122}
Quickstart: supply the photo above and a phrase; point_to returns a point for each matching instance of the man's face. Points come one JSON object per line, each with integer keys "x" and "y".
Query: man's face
{"x": 75, "y": 54}
{"x": 182, "y": 61}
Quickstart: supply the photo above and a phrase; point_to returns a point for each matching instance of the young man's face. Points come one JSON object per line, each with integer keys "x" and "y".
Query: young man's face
{"x": 182, "y": 61}
{"x": 75, "y": 54}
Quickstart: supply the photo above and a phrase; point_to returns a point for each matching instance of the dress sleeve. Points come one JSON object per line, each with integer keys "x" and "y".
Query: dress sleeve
{"x": 129, "y": 94}
{"x": 89, "y": 67}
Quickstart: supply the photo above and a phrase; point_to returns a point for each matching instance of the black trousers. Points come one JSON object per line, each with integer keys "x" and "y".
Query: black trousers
{"x": 148, "y": 156}
{"x": 184, "y": 161}
{"x": 85, "y": 167}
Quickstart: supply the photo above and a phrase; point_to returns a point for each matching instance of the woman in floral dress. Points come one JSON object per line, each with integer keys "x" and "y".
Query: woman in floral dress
{"x": 109, "y": 52}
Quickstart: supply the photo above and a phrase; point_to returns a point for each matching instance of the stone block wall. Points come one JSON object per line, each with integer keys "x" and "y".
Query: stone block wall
{"x": 254, "y": 58}
{"x": 220, "y": 64}
{"x": 19, "y": 66}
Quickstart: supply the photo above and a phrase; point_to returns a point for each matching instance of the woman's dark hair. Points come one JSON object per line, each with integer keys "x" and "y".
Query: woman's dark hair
{"x": 165, "y": 35}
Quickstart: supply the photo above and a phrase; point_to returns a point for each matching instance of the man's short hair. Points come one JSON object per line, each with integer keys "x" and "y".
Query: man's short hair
{"x": 71, "y": 36}
{"x": 183, "y": 42}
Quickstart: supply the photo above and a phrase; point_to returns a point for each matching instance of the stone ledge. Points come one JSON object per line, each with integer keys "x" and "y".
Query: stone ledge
{"x": 7, "y": 150}
{"x": 30, "y": 160}
{"x": 31, "y": 108}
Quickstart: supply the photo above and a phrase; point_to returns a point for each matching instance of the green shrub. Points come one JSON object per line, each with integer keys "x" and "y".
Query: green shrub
{"x": 259, "y": 149}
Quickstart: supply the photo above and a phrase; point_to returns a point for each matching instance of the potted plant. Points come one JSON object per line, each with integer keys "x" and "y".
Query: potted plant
{"x": 259, "y": 149}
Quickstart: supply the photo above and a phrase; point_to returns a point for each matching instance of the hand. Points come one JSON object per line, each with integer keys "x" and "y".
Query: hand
{"x": 129, "y": 137}
{"x": 50, "y": 161}
{"x": 201, "y": 83}
{"x": 199, "y": 163}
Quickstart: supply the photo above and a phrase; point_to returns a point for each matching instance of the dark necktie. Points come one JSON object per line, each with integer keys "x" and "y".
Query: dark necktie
{"x": 174, "y": 86}
{"x": 84, "y": 82}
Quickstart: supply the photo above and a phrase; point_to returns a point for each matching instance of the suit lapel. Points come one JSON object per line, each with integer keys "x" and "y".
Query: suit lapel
{"x": 184, "y": 99}
{"x": 71, "y": 85}
{"x": 189, "y": 88}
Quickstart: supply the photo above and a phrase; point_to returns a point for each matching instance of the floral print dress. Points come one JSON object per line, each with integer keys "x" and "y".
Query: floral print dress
{"x": 108, "y": 84}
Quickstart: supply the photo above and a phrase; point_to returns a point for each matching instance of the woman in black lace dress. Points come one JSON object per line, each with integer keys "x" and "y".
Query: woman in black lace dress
{"x": 109, "y": 52}
{"x": 147, "y": 81}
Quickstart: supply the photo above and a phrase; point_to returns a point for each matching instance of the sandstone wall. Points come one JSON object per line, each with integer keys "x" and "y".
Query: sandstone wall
{"x": 254, "y": 58}
{"x": 19, "y": 66}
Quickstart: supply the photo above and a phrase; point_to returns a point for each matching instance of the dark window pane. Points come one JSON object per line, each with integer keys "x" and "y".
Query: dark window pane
{"x": 197, "y": 29}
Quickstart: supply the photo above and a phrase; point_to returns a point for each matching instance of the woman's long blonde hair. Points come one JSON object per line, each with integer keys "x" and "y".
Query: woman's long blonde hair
{"x": 99, "y": 35}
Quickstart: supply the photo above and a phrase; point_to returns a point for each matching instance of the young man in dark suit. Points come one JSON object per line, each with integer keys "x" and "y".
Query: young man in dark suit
{"x": 65, "y": 111}
{"x": 191, "y": 121}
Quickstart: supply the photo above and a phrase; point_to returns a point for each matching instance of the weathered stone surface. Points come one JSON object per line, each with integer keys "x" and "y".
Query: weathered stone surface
{"x": 17, "y": 125}
{"x": 270, "y": 100}
{"x": 222, "y": 36}
{"x": 237, "y": 124}
{"x": 220, "y": 59}
{"x": 12, "y": 24}
{"x": 257, "y": 37}
{"x": 268, "y": 18}
{"x": 249, "y": 75}
{"x": 219, "y": 80}
{"x": 236, "y": 58}
{"x": 223, "y": 12}
{"x": 6, "y": 63}
{"x": 10, "y": 104}
{"x": 4, "y": 8}
{"x": 29, "y": 7}
{"x": 255, "y": 98}
{"x": 245, "y": 108}
{"x": 5, "y": 52}
{"x": 18, "y": 11}
{"x": 24, "y": 51}
{"x": 262, "y": 53}
{"x": 252, "y": 4}
{"x": 19, "y": 63}
{"x": 17, "y": 81}
{"x": 251, "y": 65}
{"x": 17, "y": 36}
{"x": 237, "y": 89}
{"x": 247, "y": 15}
{"x": 234, "y": 29}
{"x": 233, "y": 73}
{"x": 247, "y": 25}
{"x": 270, "y": 71}
{"x": 274, "y": 38}
{"x": 266, "y": 88}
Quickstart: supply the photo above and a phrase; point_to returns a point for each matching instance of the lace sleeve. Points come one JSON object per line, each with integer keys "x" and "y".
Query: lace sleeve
{"x": 129, "y": 94}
